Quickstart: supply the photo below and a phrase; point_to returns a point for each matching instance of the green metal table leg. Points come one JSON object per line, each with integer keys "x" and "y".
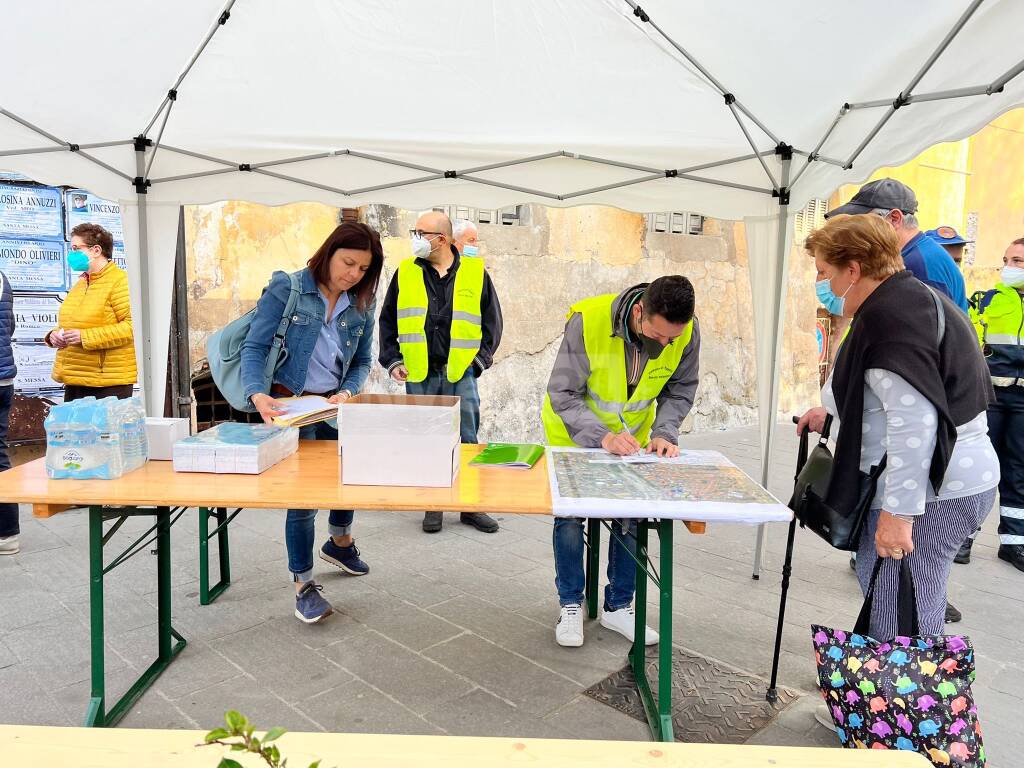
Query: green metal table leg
{"x": 665, "y": 632}
{"x": 97, "y": 714}
{"x": 208, "y": 594}
{"x": 593, "y": 563}
{"x": 638, "y": 653}
{"x": 658, "y": 710}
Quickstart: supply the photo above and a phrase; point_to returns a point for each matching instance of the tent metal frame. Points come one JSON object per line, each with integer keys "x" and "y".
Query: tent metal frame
{"x": 780, "y": 187}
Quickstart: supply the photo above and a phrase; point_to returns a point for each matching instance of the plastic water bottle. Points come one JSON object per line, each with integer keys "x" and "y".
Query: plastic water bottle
{"x": 56, "y": 425}
{"x": 106, "y": 423}
{"x": 134, "y": 442}
{"x": 143, "y": 436}
{"x": 79, "y": 456}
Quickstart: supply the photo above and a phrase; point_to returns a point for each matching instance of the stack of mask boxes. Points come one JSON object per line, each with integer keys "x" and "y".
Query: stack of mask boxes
{"x": 230, "y": 448}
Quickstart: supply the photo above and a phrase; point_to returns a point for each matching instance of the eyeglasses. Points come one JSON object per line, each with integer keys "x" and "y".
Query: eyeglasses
{"x": 422, "y": 233}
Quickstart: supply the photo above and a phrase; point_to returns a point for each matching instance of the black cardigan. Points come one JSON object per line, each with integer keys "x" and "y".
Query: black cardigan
{"x": 896, "y": 329}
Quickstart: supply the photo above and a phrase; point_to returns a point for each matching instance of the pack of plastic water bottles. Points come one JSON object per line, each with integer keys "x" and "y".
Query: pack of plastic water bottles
{"x": 92, "y": 439}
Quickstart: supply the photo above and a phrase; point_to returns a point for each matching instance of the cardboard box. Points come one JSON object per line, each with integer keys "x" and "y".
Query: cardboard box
{"x": 408, "y": 440}
{"x": 163, "y": 433}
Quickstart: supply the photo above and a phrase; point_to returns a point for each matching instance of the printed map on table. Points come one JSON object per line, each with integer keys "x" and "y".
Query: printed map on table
{"x": 698, "y": 485}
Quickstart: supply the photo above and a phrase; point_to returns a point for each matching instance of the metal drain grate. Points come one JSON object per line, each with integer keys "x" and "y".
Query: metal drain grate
{"x": 711, "y": 703}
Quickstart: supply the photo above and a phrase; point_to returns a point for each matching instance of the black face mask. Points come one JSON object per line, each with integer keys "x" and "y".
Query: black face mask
{"x": 651, "y": 347}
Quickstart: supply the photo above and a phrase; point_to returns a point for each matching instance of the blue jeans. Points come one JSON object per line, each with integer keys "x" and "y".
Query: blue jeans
{"x": 437, "y": 383}
{"x": 8, "y": 512}
{"x": 299, "y": 530}
{"x": 569, "y": 574}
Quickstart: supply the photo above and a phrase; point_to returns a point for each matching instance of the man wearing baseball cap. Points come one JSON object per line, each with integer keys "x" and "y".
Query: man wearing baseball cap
{"x": 949, "y": 239}
{"x": 896, "y": 203}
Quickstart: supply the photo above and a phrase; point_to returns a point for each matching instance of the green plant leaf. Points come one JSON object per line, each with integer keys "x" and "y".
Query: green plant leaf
{"x": 239, "y": 748}
{"x": 274, "y": 753}
{"x": 274, "y": 733}
{"x": 216, "y": 734}
{"x": 226, "y": 762}
{"x": 236, "y": 721}
{"x": 315, "y": 765}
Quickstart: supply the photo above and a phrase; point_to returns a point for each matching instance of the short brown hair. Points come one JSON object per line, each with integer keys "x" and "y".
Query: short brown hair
{"x": 359, "y": 237}
{"x": 93, "y": 235}
{"x": 865, "y": 238}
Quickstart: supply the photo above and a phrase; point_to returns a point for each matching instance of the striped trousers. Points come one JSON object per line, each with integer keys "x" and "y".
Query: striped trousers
{"x": 938, "y": 534}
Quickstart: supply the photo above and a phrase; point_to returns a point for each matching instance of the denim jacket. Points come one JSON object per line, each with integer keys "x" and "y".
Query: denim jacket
{"x": 355, "y": 329}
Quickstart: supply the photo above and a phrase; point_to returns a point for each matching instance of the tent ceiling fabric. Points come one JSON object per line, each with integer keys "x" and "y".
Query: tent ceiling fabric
{"x": 453, "y": 85}
{"x": 558, "y": 102}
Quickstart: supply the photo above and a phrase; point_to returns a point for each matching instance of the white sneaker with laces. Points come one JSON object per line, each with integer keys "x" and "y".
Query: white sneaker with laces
{"x": 9, "y": 545}
{"x": 623, "y": 621}
{"x": 569, "y": 629}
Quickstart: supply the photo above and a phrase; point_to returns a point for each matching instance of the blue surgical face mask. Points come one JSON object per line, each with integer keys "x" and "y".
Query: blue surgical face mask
{"x": 1013, "y": 276}
{"x": 834, "y": 304}
{"x": 470, "y": 250}
{"x": 78, "y": 261}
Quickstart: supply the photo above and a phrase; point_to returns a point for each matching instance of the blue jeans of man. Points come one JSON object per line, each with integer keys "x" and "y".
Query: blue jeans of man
{"x": 570, "y": 579}
{"x": 299, "y": 528}
{"x": 437, "y": 383}
{"x": 8, "y": 512}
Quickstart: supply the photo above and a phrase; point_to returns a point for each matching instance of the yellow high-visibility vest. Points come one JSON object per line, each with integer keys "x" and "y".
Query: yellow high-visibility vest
{"x": 607, "y": 389}
{"x": 466, "y": 330}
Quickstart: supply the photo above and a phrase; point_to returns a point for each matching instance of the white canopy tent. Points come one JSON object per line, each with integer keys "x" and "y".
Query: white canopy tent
{"x": 738, "y": 109}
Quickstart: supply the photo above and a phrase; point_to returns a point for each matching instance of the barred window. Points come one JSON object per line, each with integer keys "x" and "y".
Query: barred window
{"x": 676, "y": 223}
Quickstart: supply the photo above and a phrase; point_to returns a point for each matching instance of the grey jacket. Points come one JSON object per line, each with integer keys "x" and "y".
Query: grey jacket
{"x": 568, "y": 382}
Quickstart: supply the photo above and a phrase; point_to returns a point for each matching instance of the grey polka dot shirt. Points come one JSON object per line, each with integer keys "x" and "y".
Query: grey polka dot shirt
{"x": 901, "y": 421}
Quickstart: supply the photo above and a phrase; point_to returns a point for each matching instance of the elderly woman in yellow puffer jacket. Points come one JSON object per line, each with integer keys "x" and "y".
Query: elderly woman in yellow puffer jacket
{"x": 95, "y": 345}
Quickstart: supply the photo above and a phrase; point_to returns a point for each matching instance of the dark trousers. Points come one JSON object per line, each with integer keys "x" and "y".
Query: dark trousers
{"x": 76, "y": 392}
{"x": 8, "y": 512}
{"x": 1006, "y": 431}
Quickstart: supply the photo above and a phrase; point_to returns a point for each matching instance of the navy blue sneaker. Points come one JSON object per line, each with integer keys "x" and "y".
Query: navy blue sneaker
{"x": 346, "y": 558}
{"x": 310, "y": 605}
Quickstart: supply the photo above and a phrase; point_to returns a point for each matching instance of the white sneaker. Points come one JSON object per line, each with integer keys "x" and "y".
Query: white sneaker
{"x": 823, "y": 715}
{"x": 9, "y": 545}
{"x": 623, "y": 621}
{"x": 569, "y": 629}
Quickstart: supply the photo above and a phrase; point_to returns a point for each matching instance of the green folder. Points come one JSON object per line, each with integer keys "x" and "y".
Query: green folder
{"x": 516, "y": 455}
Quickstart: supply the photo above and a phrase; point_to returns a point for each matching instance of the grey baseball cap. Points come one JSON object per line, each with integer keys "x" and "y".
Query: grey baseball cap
{"x": 884, "y": 193}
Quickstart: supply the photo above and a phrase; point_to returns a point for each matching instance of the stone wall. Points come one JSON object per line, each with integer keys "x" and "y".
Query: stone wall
{"x": 539, "y": 268}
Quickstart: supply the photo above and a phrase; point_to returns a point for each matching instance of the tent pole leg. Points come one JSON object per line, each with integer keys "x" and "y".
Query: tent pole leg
{"x": 145, "y": 307}
{"x": 759, "y": 552}
{"x": 786, "y": 159}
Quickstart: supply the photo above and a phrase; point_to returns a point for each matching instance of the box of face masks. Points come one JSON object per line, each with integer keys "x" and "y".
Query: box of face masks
{"x": 231, "y": 448}
{"x": 410, "y": 440}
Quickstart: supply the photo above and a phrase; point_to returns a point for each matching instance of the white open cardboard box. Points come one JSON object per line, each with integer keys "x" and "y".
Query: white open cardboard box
{"x": 410, "y": 440}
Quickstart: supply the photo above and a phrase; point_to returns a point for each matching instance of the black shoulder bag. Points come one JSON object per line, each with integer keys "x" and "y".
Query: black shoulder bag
{"x": 840, "y": 528}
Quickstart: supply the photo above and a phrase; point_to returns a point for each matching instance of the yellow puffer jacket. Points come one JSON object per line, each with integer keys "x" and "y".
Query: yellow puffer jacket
{"x": 98, "y": 306}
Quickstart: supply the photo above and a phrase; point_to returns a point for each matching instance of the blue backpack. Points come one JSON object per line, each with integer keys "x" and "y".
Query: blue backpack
{"x": 224, "y": 352}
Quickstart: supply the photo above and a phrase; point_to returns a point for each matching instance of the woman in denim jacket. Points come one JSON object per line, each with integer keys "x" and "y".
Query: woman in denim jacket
{"x": 324, "y": 357}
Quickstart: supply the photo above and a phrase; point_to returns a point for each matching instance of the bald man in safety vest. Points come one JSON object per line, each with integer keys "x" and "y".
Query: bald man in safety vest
{"x": 440, "y": 326}
{"x": 624, "y": 380}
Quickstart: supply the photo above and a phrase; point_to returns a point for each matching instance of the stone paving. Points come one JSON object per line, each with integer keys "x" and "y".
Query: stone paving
{"x": 450, "y": 633}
